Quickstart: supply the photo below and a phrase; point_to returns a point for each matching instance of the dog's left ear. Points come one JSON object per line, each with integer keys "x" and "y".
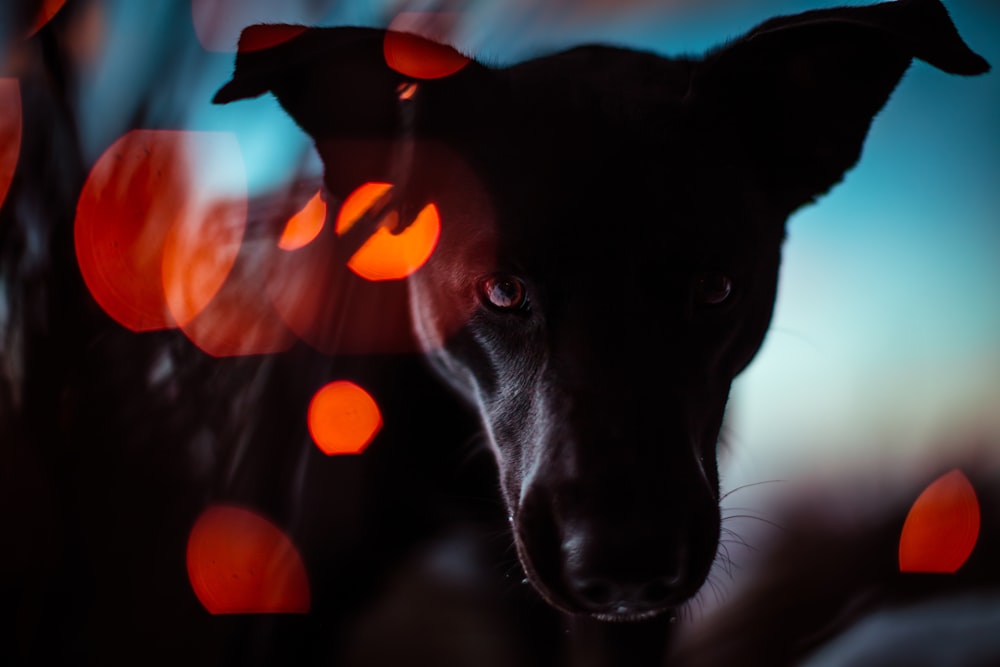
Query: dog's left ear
{"x": 346, "y": 82}
{"x": 358, "y": 91}
{"x": 796, "y": 95}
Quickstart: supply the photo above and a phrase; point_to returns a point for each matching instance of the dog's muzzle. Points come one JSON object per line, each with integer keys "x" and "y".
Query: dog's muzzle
{"x": 626, "y": 558}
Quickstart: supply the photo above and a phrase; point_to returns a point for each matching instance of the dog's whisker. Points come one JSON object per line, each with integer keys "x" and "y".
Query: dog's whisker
{"x": 728, "y": 536}
{"x": 754, "y": 517}
{"x": 750, "y": 485}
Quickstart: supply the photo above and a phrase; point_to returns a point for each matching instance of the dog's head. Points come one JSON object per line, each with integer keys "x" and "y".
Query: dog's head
{"x": 611, "y": 232}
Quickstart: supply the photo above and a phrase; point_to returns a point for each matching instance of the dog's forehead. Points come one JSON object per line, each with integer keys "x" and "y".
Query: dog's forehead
{"x": 579, "y": 109}
{"x": 616, "y": 83}
{"x": 587, "y": 150}
{"x": 635, "y": 200}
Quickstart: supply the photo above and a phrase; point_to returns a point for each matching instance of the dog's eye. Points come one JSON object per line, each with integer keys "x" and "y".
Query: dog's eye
{"x": 713, "y": 288}
{"x": 505, "y": 293}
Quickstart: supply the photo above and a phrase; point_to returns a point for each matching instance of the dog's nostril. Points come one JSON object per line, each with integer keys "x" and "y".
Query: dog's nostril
{"x": 603, "y": 594}
{"x": 657, "y": 592}
{"x": 595, "y": 592}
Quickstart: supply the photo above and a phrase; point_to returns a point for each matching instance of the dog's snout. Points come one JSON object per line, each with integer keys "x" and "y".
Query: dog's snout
{"x": 610, "y": 577}
{"x": 615, "y": 558}
{"x": 615, "y": 597}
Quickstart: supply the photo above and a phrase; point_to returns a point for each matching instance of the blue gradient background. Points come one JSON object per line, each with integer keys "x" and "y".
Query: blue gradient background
{"x": 886, "y": 336}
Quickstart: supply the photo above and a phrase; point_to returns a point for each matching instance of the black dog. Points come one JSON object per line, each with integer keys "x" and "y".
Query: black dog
{"x": 611, "y": 230}
{"x": 612, "y": 225}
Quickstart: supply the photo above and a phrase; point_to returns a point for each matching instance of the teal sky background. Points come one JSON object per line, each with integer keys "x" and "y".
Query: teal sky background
{"x": 886, "y": 336}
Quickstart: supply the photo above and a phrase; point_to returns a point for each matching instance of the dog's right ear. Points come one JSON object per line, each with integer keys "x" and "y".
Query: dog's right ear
{"x": 347, "y": 82}
{"x": 796, "y": 95}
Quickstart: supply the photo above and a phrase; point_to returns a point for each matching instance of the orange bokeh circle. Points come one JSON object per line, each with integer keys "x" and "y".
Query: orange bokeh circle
{"x": 240, "y": 563}
{"x": 420, "y": 58}
{"x": 10, "y": 132}
{"x": 343, "y": 418}
{"x": 385, "y": 255}
{"x": 942, "y": 527}
{"x": 303, "y": 227}
{"x": 156, "y": 231}
{"x": 46, "y": 11}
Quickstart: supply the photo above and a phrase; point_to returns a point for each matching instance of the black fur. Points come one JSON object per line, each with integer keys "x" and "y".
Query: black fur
{"x": 640, "y": 201}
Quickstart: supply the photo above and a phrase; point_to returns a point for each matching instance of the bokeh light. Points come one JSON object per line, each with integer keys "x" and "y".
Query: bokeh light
{"x": 46, "y": 11}
{"x": 10, "y": 132}
{"x": 411, "y": 54}
{"x": 343, "y": 418}
{"x": 240, "y": 320}
{"x": 257, "y": 40}
{"x": 303, "y": 227}
{"x": 157, "y": 229}
{"x": 385, "y": 255}
{"x": 202, "y": 244}
{"x": 240, "y": 563}
{"x": 942, "y": 526}
{"x": 218, "y": 23}
{"x": 125, "y": 211}
{"x": 331, "y": 308}
{"x": 407, "y": 91}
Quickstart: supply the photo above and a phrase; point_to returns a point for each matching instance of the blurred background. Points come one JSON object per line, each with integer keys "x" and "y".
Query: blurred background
{"x": 885, "y": 343}
{"x": 887, "y": 329}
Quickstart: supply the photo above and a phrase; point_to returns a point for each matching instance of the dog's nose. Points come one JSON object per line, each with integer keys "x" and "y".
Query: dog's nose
{"x": 623, "y": 564}
{"x": 613, "y": 575}
{"x": 618, "y": 558}
{"x": 621, "y": 597}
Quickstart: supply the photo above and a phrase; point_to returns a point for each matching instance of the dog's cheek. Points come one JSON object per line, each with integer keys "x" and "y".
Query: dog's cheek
{"x": 745, "y": 328}
{"x": 442, "y": 294}
{"x": 431, "y": 315}
{"x": 518, "y": 424}
{"x": 442, "y": 303}
{"x": 753, "y": 331}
